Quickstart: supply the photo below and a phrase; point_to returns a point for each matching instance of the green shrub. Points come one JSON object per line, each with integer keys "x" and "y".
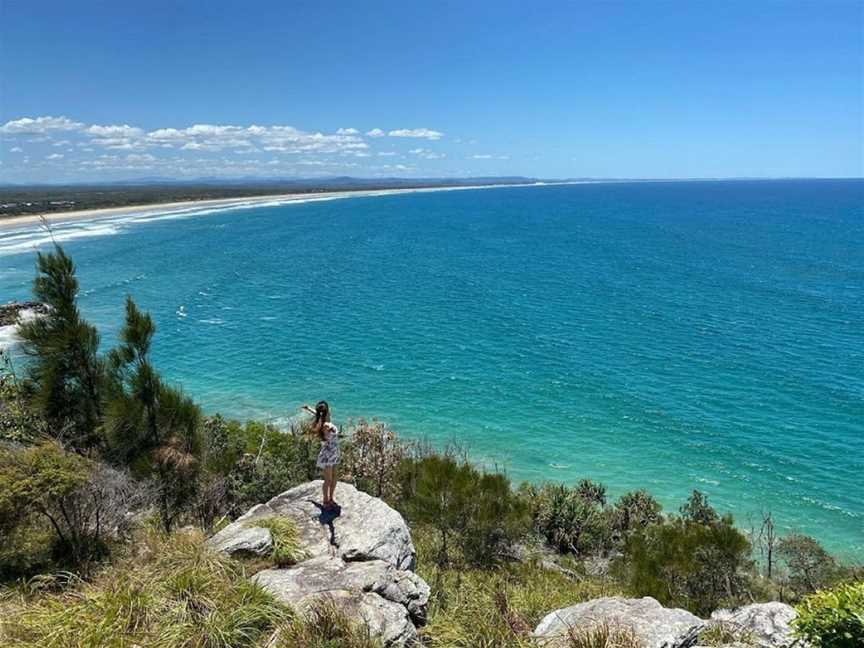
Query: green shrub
{"x": 25, "y": 549}
{"x": 634, "y": 511}
{"x": 372, "y": 458}
{"x": 809, "y": 566}
{"x": 40, "y": 483}
{"x": 833, "y": 618}
{"x": 687, "y": 564}
{"x": 262, "y": 460}
{"x": 572, "y": 520}
{"x": 19, "y": 420}
{"x": 698, "y": 510}
{"x": 286, "y": 542}
{"x": 592, "y": 492}
{"x": 478, "y": 512}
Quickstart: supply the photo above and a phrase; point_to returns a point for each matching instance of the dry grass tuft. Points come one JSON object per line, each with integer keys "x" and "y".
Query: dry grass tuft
{"x": 602, "y": 635}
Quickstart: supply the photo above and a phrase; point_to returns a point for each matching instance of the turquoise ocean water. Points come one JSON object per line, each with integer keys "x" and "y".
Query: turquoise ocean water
{"x": 669, "y": 336}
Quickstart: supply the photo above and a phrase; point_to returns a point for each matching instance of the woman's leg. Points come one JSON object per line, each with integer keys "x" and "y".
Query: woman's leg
{"x": 325, "y": 488}
{"x": 332, "y": 483}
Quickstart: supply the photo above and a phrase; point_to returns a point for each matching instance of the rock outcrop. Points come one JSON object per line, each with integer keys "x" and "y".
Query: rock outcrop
{"x": 767, "y": 625}
{"x": 653, "y": 625}
{"x": 359, "y": 556}
{"x": 760, "y": 625}
{"x": 14, "y": 312}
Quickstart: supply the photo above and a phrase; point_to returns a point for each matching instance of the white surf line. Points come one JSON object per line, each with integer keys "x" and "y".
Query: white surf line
{"x": 194, "y": 207}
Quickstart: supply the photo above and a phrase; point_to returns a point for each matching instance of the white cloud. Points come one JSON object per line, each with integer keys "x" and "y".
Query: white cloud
{"x": 420, "y": 133}
{"x": 481, "y": 156}
{"x": 205, "y": 149}
{"x": 114, "y": 131}
{"x": 427, "y": 154}
{"x": 39, "y": 125}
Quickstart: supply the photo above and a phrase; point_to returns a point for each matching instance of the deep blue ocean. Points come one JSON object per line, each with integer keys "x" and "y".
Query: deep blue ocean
{"x": 663, "y": 335}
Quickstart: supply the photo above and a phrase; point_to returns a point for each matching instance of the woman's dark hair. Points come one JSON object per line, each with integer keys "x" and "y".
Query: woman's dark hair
{"x": 322, "y": 413}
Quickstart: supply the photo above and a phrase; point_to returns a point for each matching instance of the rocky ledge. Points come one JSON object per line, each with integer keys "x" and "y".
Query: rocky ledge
{"x": 359, "y": 556}
{"x": 10, "y": 313}
{"x": 760, "y": 625}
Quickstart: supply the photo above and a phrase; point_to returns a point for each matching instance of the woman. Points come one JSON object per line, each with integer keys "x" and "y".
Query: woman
{"x": 328, "y": 457}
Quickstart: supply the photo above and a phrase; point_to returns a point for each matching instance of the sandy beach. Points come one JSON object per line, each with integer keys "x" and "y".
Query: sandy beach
{"x": 229, "y": 203}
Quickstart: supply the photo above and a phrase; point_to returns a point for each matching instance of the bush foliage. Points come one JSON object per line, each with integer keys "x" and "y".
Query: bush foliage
{"x": 476, "y": 511}
{"x": 833, "y": 618}
{"x": 688, "y": 564}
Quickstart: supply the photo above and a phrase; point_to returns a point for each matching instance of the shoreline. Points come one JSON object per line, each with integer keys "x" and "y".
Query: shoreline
{"x": 57, "y": 218}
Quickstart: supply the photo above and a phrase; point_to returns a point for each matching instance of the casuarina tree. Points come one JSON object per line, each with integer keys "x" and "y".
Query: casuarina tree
{"x": 64, "y": 366}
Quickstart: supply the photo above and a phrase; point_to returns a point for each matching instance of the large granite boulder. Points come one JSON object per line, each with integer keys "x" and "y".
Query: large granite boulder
{"x": 653, "y": 625}
{"x": 360, "y": 557}
{"x": 364, "y": 529}
{"x": 767, "y": 625}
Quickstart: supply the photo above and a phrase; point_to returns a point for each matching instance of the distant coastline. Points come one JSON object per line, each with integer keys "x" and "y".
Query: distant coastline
{"x": 251, "y": 201}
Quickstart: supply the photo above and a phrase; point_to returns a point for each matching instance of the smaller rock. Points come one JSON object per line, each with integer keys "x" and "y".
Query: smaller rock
{"x": 323, "y": 574}
{"x": 769, "y": 624}
{"x": 654, "y": 625}
{"x": 239, "y": 540}
{"x": 388, "y": 600}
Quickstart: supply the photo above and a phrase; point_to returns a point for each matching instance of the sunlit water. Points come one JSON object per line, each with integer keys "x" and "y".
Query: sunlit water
{"x": 667, "y": 336}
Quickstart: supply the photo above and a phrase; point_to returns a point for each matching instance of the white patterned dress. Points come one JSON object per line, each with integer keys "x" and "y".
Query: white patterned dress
{"x": 329, "y": 454}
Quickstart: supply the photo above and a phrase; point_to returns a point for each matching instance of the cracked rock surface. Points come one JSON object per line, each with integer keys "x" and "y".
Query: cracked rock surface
{"x": 359, "y": 556}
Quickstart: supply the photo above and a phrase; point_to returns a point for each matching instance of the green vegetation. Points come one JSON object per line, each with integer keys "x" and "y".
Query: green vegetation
{"x": 169, "y": 591}
{"x": 64, "y": 369}
{"x": 809, "y": 566}
{"x": 724, "y": 634}
{"x": 286, "y": 545}
{"x": 698, "y": 562}
{"x": 499, "y": 606}
{"x": 833, "y": 618}
{"x": 479, "y": 512}
{"x": 572, "y": 520}
{"x": 324, "y": 626}
{"x": 603, "y": 635}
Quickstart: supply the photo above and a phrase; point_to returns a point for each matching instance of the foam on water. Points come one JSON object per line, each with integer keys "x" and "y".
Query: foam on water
{"x": 666, "y": 336}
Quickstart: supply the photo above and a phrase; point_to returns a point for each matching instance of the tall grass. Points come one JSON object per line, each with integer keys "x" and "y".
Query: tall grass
{"x": 323, "y": 626}
{"x": 169, "y": 592}
{"x": 286, "y": 541}
{"x": 601, "y": 635}
{"x": 494, "y": 608}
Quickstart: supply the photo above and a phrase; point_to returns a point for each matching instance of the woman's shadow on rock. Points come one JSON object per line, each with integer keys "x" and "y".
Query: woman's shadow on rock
{"x": 326, "y": 517}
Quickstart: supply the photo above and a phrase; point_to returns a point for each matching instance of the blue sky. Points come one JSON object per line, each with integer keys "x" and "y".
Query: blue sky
{"x": 111, "y": 90}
